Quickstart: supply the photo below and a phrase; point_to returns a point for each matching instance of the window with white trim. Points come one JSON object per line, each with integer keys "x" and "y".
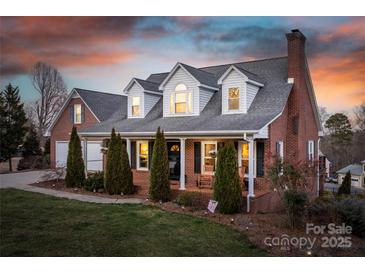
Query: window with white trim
{"x": 209, "y": 157}
{"x": 77, "y": 114}
{"x": 280, "y": 154}
{"x": 233, "y": 99}
{"x": 142, "y": 155}
{"x": 310, "y": 150}
{"x": 136, "y": 106}
{"x": 181, "y": 100}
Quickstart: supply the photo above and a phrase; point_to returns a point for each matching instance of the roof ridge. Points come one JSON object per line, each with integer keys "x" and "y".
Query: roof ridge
{"x": 245, "y": 62}
{"x": 138, "y": 79}
{"x": 197, "y": 69}
{"x": 96, "y": 91}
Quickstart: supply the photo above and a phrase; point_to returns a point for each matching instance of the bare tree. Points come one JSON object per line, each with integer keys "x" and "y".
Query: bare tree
{"x": 48, "y": 81}
{"x": 323, "y": 115}
{"x": 359, "y": 112}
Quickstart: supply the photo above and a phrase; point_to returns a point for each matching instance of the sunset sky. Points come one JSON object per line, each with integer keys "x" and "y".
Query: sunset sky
{"x": 104, "y": 53}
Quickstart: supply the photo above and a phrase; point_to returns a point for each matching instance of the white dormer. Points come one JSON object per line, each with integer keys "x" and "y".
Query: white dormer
{"x": 142, "y": 96}
{"x": 238, "y": 90}
{"x": 184, "y": 93}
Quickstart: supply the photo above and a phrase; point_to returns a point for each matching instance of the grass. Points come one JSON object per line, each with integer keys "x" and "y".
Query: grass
{"x": 34, "y": 224}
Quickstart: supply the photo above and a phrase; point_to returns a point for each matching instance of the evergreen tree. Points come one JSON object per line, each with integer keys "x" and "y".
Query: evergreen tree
{"x": 345, "y": 187}
{"x": 127, "y": 186}
{"x": 31, "y": 144}
{"x": 340, "y": 130}
{"x": 75, "y": 173}
{"x": 227, "y": 190}
{"x": 113, "y": 165}
{"x": 12, "y": 123}
{"x": 70, "y": 163}
{"x": 47, "y": 147}
{"x": 159, "y": 178}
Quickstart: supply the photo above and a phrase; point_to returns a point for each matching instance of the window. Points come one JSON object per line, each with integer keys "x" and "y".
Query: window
{"x": 233, "y": 99}
{"x": 77, "y": 114}
{"x": 142, "y": 155}
{"x": 280, "y": 153}
{"x": 310, "y": 150}
{"x": 243, "y": 157}
{"x": 136, "y": 106}
{"x": 209, "y": 156}
{"x": 181, "y": 100}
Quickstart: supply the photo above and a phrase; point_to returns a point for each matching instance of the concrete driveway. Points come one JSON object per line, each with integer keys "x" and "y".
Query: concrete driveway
{"x": 22, "y": 180}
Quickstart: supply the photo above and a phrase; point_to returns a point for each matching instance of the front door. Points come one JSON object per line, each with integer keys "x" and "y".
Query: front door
{"x": 174, "y": 159}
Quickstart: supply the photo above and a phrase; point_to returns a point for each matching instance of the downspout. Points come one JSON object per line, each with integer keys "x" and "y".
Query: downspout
{"x": 318, "y": 143}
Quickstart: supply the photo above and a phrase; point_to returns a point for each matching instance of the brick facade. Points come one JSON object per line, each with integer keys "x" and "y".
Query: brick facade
{"x": 62, "y": 129}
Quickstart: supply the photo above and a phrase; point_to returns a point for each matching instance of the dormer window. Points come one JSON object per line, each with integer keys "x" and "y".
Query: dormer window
{"x": 181, "y": 100}
{"x": 136, "y": 102}
{"x": 233, "y": 99}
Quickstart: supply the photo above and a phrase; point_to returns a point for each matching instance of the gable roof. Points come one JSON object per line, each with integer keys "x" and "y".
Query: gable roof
{"x": 354, "y": 170}
{"x": 266, "y": 107}
{"x": 102, "y": 105}
{"x": 144, "y": 84}
{"x": 204, "y": 78}
{"x": 252, "y": 77}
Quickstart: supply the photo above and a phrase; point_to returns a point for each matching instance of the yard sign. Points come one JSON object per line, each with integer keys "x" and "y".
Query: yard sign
{"x": 212, "y": 205}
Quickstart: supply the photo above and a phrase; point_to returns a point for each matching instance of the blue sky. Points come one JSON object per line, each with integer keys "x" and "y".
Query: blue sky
{"x": 104, "y": 53}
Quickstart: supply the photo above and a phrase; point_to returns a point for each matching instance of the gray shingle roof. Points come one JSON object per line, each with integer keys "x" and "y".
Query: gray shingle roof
{"x": 148, "y": 85}
{"x": 104, "y": 105}
{"x": 204, "y": 77}
{"x": 267, "y": 105}
{"x": 354, "y": 170}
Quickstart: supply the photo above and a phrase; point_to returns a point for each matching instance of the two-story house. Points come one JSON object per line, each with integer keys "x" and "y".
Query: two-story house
{"x": 265, "y": 107}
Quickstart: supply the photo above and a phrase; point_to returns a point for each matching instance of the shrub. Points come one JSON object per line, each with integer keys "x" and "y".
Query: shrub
{"x": 191, "y": 199}
{"x": 30, "y": 162}
{"x": 113, "y": 173}
{"x": 75, "y": 173}
{"x": 31, "y": 144}
{"x": 159, "y": 179}
{"x": 127, "y": 186}
{"x": 95, "y": 181}
{"x": 227, "y": 189}
{"x": 295, "y": 202}
{"x": 345, "y": 188}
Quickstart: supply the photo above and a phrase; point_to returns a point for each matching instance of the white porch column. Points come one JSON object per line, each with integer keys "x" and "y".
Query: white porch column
{"x": 251, "y": 167}
{"x": 129, "y": 149}
{"x": 85, "y": 155}
{"x": 182, "y": 163}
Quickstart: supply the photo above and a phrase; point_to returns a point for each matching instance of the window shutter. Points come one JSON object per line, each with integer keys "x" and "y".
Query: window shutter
{"x": 150, "y": 151}
{"x": 72, "y": 114}
{"x": 133, "y": 154}
{"x": 82, "y": 113}
{"x": 220, "y": 145}
{"x": 197, "y": 157}
{"x": 260, "y": 156}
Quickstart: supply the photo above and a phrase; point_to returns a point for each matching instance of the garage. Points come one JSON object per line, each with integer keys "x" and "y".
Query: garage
{"x": 94, "y": 156}
{"x": 62, "y": 152}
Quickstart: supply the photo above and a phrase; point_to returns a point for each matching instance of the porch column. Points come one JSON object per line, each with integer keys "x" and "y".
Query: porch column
{"x": 182, "y": 164}
{"x": 128, "y": 141}
{"x": 250, "y": 167}
{"x": 85, "y": 155}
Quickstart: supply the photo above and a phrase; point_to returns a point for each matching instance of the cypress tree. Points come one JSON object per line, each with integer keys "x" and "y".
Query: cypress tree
{"x": 159, "y": 178}
{"x": 127, "y": 186}
{"x": 70, "y": 166}
{"x": 345, "y": 187}
{"x": 227, "y": 190}
{"x": 113, "y": 165}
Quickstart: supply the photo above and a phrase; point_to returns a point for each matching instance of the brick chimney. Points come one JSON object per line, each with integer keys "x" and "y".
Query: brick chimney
{"x": 297, "y": 76}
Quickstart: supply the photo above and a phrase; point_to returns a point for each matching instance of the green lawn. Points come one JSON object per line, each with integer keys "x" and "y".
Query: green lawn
{"x": 38, "y": 225}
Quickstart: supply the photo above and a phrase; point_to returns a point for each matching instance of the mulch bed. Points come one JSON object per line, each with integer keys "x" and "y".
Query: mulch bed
{"x": 256, "y": 226}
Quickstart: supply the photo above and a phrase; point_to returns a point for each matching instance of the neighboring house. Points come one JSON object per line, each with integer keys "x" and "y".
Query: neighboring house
{"x": 324, "y": 165}
{"x": 265, "y": 107}
{"x": 357, "y": 174}
{"x": 83, "y": 108}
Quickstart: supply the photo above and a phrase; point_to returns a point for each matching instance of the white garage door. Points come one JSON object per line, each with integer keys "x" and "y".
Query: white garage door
{"x": 94, "y": 156}
{"x": 62, "y": 152}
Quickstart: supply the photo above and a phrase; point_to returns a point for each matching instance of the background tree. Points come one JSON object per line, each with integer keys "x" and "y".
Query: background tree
{"x": 75, "y": 173}
{"x": 359, "y": 112}
{"x": 127, "y": 186}
{"x": 113, "y": 172}
{"x": 345, "y": 187}
{"x": 227, "y": 189}
{"x": 31, "y": 144}
{"x": 340, "y": 130}
{"x": 159, "y": 179}
{"x": 52, "y": 89}
{"x": 323, "y": 115}
{"x": 12, "y": 121}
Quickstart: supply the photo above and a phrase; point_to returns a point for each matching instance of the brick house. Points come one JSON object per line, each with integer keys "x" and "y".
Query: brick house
{"x": 265, "y": 107}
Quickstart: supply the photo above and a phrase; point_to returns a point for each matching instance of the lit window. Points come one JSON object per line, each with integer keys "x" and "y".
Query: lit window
{"x": 136, "y": 106}
{"x": 77, "y": 114}
{"x": 233, "y": 98}
{"x": 174, "y": 148}
{"x": 209, "y": 155}
{"x": 244, "y": 157}
{"x": 142, "y": 155}
{"x": 181, "y": 102}
{"x": 180, "y": 87}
